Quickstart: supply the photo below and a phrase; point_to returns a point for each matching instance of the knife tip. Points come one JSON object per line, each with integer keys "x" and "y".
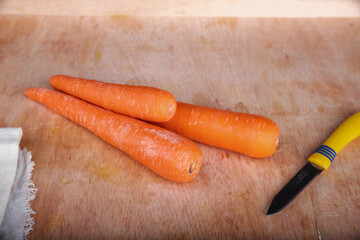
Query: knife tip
{"x": 274, "y": 207}
{"x": 270, "y": 212}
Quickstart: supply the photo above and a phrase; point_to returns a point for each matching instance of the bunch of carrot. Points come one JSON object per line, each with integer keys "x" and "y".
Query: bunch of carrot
{"x": 164, "y": 146}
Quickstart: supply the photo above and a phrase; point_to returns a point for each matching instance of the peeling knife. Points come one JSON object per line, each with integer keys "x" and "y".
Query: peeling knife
{"x": 320, "y": 160}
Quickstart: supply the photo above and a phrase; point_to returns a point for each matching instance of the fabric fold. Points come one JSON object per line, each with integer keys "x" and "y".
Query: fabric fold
{"x": 18, "y": 188}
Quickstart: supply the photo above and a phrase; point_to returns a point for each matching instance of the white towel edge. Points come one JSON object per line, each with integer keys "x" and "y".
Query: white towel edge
{"x": 31, "y": 194}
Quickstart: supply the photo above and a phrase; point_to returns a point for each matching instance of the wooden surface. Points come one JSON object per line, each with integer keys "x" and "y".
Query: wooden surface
{"x": 302, "y": 73}
{"x": 172, "y": 8}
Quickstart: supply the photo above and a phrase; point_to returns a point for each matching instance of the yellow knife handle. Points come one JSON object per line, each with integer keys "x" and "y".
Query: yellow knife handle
{"x": 345, "y": 133}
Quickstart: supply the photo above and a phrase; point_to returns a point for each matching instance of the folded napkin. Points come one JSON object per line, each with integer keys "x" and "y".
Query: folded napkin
{"x": 16, "y": 186}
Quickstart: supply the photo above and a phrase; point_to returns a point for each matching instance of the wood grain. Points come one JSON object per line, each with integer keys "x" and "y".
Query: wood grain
{"x": 302, "y": 73}
{"x": 182, "y": 8}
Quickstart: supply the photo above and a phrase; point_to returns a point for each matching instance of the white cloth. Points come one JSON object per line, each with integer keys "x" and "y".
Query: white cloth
{"x": 16, "y": 187}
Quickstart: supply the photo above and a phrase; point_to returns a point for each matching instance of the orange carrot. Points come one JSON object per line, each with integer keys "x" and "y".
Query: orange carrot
{"x": 166, "y": 153}
{"x": 142, "y": 102}
{"x": 249, "y": 134}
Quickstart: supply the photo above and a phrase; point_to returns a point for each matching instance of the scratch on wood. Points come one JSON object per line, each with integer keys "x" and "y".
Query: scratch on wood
{"x": 331, "y": 214}
{"x": 318, "y": 231}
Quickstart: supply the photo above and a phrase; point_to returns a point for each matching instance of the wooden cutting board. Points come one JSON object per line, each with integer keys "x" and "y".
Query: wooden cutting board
{"x": 302, "y": 73}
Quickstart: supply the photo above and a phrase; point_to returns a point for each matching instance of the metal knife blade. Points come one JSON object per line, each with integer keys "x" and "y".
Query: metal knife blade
{"x": 293, "y": 188}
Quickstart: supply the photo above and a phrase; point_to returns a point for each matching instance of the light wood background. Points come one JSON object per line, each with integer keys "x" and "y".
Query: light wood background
{"x": 175, "y": 8}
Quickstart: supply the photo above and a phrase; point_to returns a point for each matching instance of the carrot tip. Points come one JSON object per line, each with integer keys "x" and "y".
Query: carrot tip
{"x": 194, "y": 166}
{"x": 171, "y": 108}
{"x": 28, "y": 91}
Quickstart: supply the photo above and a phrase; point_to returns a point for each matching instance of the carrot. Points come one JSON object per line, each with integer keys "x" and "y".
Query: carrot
{"x": 249, "y": 134}
{"x": 142, "y": 102}
{"x": 166, "y": 153}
